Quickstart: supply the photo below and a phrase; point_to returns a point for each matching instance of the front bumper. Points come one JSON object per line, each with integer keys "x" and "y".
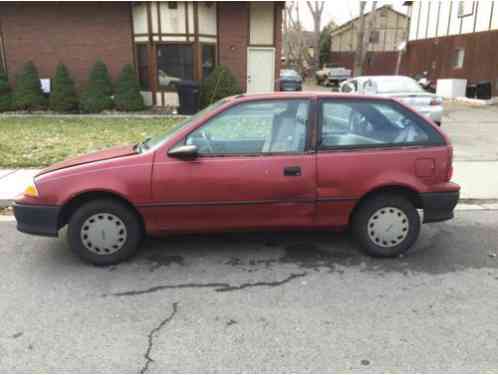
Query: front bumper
{"x": 37, "y": 220}
{"x": 439, "y": 206}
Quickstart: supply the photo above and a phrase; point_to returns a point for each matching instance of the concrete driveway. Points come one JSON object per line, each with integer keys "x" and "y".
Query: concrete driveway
{"x": 254, "y": 302}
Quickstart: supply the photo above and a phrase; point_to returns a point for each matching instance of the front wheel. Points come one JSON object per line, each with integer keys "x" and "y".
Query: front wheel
{"x": 386, "y": 225}
{"x": 104, "y": 232}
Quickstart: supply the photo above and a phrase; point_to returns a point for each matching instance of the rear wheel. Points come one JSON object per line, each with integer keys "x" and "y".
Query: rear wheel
{"x": 386, "y": 225}
{"x": 104, "y": 232}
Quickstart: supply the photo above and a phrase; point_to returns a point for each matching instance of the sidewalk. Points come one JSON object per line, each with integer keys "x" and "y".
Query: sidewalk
{"x": 478, "y": 179}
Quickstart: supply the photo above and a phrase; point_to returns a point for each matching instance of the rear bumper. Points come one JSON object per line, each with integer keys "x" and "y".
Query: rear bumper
{"x": 37, "y": 220}
{"x": 435, "y": 113}
{"x": 439, "y": 206}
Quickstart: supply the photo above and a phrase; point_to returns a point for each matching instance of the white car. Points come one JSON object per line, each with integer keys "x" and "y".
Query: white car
{"x": 403, "y": 88}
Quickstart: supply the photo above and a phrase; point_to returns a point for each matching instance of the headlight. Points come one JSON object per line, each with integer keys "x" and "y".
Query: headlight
{"x": 31, "y": 191}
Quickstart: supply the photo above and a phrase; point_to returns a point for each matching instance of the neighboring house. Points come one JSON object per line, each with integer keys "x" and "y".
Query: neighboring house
{"x": 454, "y": 39}
{"x": 388, "y": 32}
{"x": 166, "y": 41}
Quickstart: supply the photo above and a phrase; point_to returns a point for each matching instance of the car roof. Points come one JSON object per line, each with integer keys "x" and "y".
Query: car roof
{"x": 383, "y": 77}
{"x": 302, "y": 94}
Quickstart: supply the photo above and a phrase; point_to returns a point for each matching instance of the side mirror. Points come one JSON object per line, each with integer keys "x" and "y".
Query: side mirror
{"x": 184, "y": 152}
{"x": 347, "y": 87}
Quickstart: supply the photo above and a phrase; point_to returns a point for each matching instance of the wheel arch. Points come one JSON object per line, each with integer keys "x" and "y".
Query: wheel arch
{"x": 406, "y": 191}
{"x": 78, "y": 200}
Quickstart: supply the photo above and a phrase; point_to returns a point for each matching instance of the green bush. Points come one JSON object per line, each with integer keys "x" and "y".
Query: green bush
{"x": 28, "y": 94}
{"x": 128, "y": 97}
{"x": 5, "y": 93}
{"x": 63, "y": 96}
{"x": 97, "y": 96}
{"x": 218, "y": 85}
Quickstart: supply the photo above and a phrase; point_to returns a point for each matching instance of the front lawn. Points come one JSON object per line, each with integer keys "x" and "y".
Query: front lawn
{"x": 41, "y": 141}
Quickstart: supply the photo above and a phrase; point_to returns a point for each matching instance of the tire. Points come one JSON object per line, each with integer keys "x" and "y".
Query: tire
{"x": 386, "y": 225}
{"x": 113, "y": 227}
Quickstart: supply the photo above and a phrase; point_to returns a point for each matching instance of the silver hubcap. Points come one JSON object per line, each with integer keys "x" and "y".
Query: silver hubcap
{"x": 388, "y": 227}
{"x": 103, "y": 234}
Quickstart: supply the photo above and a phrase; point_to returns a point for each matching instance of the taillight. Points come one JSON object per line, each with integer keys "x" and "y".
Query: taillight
{"x": 436, "y": 101}
{"x": 449, "y": 173}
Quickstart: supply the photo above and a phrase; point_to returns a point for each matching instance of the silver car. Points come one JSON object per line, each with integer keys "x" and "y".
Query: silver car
{"x": 403, "y": 88}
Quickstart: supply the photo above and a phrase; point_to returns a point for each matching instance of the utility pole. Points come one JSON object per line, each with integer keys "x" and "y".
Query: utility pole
{"x": 360, "y": 43}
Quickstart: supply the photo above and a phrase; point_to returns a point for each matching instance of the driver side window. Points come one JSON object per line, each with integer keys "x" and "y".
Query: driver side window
{"x": 272, "y": 126}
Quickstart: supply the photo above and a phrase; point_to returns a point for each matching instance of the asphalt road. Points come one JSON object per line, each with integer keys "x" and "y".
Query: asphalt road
{"x": 255, "y": 302}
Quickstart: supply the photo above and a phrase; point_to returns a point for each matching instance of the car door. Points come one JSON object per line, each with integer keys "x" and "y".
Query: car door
{"x": 253, "y": 170}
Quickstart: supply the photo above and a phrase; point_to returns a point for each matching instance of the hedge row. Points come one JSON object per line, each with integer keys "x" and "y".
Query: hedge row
{"x": 98, "y": 95}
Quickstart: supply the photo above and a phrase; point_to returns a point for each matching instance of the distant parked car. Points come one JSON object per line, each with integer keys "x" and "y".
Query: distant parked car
{"x": 336, "y": 76}
{"x": 322, "y": 74}
{"x": 403, "y": 88}
{"x": 332, "y": 74}
{"x": 290, "y": 80}
{"x": 261, "y": 162}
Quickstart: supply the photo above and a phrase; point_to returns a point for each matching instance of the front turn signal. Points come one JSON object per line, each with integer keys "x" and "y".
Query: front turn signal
{"x": 31, "y": 191}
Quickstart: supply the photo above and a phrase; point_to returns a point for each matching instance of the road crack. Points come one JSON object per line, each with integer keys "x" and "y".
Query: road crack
{"x": 261, "y": 283}
{"x": 152, "y": 333}
{"x": 218, "y": 287}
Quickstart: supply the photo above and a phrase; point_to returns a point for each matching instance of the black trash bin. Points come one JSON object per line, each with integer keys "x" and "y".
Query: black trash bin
{"x": 484, "y": 90}
{"x": 189, "y": 97}
{"x": 471, "y": 90}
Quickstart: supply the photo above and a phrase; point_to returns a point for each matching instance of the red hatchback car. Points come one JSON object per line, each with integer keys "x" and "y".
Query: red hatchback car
{"x": 255, "y": 162}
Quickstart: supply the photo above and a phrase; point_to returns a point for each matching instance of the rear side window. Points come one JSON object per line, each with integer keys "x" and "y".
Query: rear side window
{"x": 361, "y": 123}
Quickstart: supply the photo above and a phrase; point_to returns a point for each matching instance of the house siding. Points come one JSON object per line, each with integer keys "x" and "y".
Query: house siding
{"x": 437, "y": 31}
{"x": 435, "y": 56}
{"x": 51, "y": 32}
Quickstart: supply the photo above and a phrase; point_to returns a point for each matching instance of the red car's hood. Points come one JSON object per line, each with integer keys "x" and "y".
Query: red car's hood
{"x": 112, "y": 153}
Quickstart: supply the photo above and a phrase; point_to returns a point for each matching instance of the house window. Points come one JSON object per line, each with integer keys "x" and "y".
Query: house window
{"x": 458, "y": 58}
{"x": 374, "y": 36}
{"x": 175, "y": 62}
{"x": 465, "y": 8}
{"x": 172, "y": 5}
{"x": 208, "y": 59}
{"x": 143, "y": 66}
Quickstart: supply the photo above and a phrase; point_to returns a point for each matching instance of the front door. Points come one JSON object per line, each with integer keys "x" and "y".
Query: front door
{"x": 253, "y": 172}
{"x": 260, "y": 69}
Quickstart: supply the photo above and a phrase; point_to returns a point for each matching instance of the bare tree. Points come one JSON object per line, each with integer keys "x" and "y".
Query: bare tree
{"x": 295, "y": 51}
{"x": 365, "y": 37}
{"x": 316, "y": 9}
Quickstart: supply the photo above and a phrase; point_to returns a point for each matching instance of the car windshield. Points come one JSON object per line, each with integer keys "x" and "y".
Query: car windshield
{"x": 389, "y": 85}
{"x": 152, "y": 142}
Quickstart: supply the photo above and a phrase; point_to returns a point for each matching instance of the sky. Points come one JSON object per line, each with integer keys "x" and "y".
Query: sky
{"x": 342, "y": 11}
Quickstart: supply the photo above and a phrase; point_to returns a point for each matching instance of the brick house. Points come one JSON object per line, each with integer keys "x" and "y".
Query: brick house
{"x": 166, "y": 41}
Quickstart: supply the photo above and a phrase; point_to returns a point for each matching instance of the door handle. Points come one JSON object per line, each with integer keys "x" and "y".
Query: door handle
{"x": 292, "y": 171}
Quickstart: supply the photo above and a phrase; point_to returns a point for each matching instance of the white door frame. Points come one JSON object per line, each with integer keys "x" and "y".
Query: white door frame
{"x": 248, "y": 77}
